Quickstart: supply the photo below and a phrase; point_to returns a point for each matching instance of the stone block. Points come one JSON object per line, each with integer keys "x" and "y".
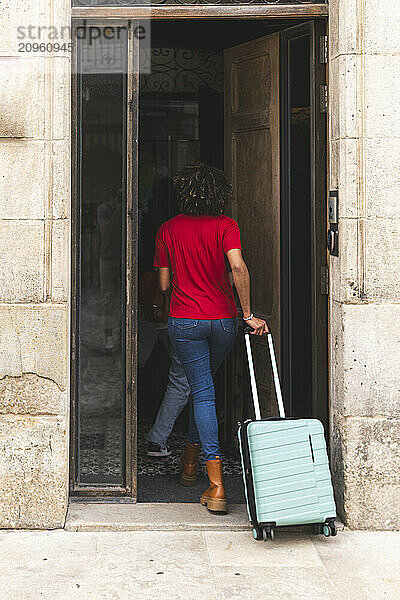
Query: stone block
{"x": 23, "y": 179}
{"x": 18, "y": 17}
{"x": 61, "y": 189}
{"x": 24, "y": 97}
{"x": 29, "y": 90}
{"x": 61, "y": 20}
{"x": 381, "y": 26}
{"x": 382, "y": 109}
{"x": 34, "y": 339}
{"x": 60, "y": 260}
{"x": 344, "y": 284}
{"x": 367, "y": 360}
{"x": 344, "y": 102}
{"x": 343, "y": 22}
{"x": 336, "y": 459}
{"x": 382, "y": 177}
{"x": 336, "y": 355}
{"x": 383, "y": 259}
{"x": 371, "y": 458}
{"x": 31, "y": 395}
{"x": 21, "y": 261}
{"x": 61, "y": 98}
{"x": 344, "y": 175}
{"x": 33, "y": 472}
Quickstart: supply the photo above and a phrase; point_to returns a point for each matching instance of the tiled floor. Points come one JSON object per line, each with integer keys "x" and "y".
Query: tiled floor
{"x": 198, "y": 565}
{"x": 101, "y": 426}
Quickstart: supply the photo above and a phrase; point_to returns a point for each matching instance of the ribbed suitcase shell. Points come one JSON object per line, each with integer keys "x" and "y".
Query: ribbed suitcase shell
{"x": 285, "y": 464}
{"x": 289, "y": 469}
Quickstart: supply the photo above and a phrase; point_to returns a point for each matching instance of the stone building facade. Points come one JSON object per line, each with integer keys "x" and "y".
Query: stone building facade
{"x": 35, "y": 201}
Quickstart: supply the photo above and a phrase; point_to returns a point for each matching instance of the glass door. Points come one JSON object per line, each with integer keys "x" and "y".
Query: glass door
{"x": 103, "y": 228}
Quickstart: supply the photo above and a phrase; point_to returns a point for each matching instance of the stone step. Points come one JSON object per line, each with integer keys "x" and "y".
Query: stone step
{"x": 95, "y": 516}
{"x": 113, "y": 516}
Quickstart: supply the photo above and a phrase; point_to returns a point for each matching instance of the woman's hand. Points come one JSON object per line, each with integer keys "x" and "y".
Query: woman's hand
{"x": 258, "y": 325}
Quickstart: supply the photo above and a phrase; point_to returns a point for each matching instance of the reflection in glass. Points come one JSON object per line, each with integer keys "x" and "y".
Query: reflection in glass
{"x": 101, "y": 303}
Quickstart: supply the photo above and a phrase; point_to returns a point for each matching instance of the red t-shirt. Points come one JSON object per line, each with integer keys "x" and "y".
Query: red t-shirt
{"x": 195, "y": 247}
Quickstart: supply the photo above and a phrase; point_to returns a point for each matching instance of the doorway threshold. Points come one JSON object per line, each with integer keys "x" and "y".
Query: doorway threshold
{"x": 143, "y": 516}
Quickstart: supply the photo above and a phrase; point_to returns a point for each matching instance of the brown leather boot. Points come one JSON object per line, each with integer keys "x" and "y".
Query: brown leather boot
{"x": 189, "y": 464}
{"x": 215, "y": 498}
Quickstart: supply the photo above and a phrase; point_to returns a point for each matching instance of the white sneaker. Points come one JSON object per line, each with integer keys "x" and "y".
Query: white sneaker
{"x": 154, "y": 449}
{"x": 109, "y": 343}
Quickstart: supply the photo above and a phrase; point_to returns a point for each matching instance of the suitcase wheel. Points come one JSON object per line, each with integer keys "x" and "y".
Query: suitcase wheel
{"x": 326, "y": 530}
{"x": 333, "y": 529}
{"x": 268, "y": 533}
{"x": 257, "y": 534}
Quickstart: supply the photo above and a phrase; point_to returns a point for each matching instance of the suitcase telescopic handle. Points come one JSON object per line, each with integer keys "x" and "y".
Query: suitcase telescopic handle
{"x": 277, "y": 383}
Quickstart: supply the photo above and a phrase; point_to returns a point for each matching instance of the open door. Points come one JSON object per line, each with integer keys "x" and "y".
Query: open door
{"x": 303, "y": 58}
{"x": 275, "y": 154}
{"x": 252, "y": 161}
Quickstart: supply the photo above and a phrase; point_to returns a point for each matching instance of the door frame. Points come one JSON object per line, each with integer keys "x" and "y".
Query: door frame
{"x": 319, "y": 261}
{"x": 128, "y": 16}
{"x": 203, "y": 11}
{"x": 128, "y": 491}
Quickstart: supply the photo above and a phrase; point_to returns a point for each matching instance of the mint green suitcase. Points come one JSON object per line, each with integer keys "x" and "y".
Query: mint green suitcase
{"x": 285, "y": 467}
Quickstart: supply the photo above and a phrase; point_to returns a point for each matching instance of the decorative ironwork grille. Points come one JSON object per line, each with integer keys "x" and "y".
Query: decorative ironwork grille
{"x": 96, "y": 3}
{"x": 183, "y": 70}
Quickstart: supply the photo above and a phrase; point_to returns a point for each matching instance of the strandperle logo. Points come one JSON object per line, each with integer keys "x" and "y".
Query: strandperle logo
{"x": 83, "y": 32}
{"x": 101, "y": 48}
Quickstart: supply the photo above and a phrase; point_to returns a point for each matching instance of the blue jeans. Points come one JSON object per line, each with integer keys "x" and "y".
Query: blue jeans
{"x": 202, "y": 345}
{"x": 175, "y": 397}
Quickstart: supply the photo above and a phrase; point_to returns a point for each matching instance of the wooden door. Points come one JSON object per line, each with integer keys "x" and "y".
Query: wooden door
{"x": 252, "y": 161}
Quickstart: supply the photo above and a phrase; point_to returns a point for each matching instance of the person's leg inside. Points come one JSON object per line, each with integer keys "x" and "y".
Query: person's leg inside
{"x": 175, "y": 398}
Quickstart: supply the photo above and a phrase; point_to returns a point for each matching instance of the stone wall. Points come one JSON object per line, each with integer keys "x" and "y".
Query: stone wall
{"x": 34, "y": 268}
{"x": 365, "y": 284}
{"x": 364, "y": 71}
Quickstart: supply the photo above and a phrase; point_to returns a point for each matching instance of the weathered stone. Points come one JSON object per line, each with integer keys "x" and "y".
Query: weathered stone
{"x": 158, "y": 516}
{"x": 32, "y": 395}
{"x": 363, "y": 565}
{"x": 344, "y": 268}
{"x": 61, "y": 188}
{"x": 337, "y": 452}
{"x": 34, "y": 339}
{"x": 33, "y": 472}
{"x": 381, "y": 27}
{"x": 61, "y": 18}
{"x": 24, "y": 97}
{"x": 61, "y": 98}
{"x": 344, "y": 103}
{"x": 21, "y": 265}
{"x": 344, "y": 19}
{"x": 383, "y": 260}
{"x": 368, "y": 357}
{"x": 60, "y": 260}
{"x": 344, "y": 175}
{"x": 23, "y": 180}
{"x": 382, "y": 112}
{"x": 382, "y": 177}
{"x": 19, "y": 16}
{"x": 371, "y": 477}
{"x": 368, "y": 263}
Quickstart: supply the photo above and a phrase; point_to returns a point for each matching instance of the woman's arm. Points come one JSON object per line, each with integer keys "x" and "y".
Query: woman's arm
{"x": 241, "y": 279}
{"x": 164, "y": 274}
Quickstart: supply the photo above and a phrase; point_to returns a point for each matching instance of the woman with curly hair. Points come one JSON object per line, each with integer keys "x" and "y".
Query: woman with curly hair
{"x": 203, "y": 319}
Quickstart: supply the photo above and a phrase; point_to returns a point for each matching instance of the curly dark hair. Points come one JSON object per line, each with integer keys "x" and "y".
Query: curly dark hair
{"x": 202, "y": 190}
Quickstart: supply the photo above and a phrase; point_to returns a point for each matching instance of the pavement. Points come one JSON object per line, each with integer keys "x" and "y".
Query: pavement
{"x": 95, "y": 558}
